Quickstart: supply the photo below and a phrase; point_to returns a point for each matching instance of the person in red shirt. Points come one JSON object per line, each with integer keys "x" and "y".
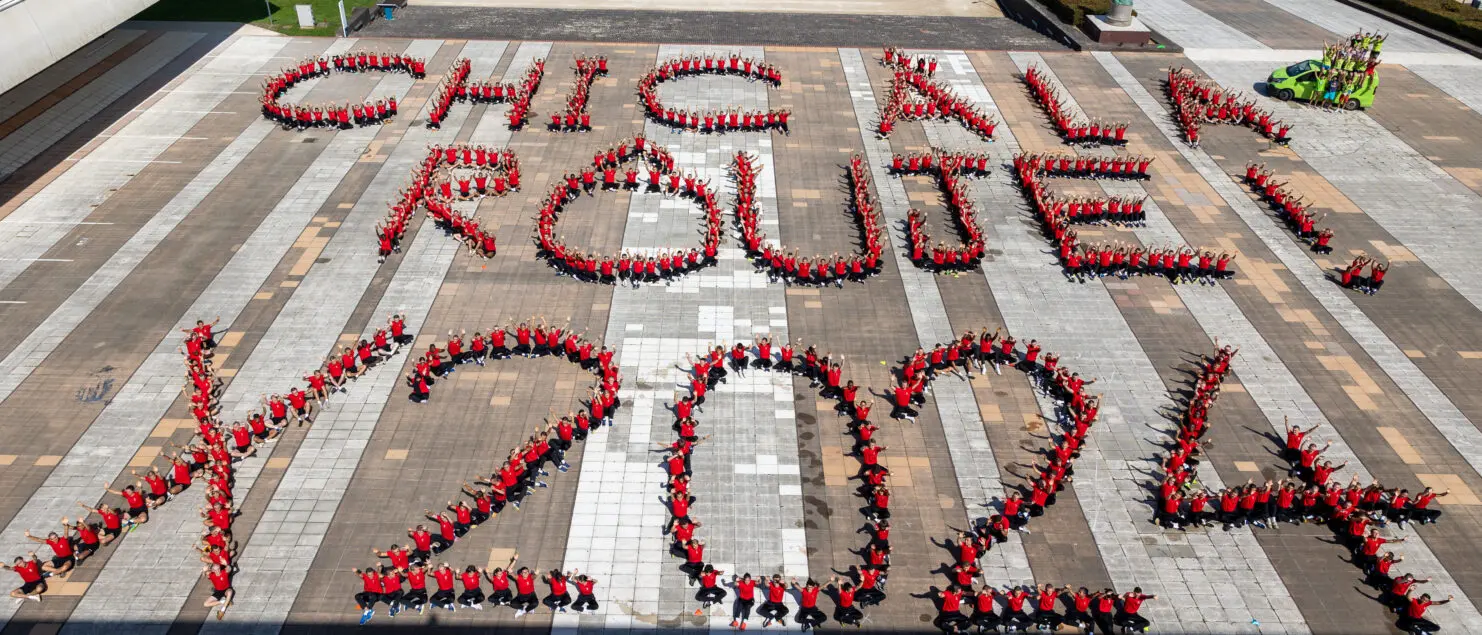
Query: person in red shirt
{"x": 415, "y": 597}
{"x": 844, "y": 610}
{"x": 421, "y": 388}
{"x": 33, "y": 583}
{"x": 138, "y": 509}
{"x": 421, "y": 545}
{"x": 473, "y": 595}
{"x": 1379, "y": 576}
{"x": 84, "y": 537}
{"x": 1420, "y": 509}
{"x": 112, "y": 521}
{"x": 444, "y": 576}
{"x": 400, "y": 558}
{"x": 949, "y": 614}
{"x": 984, "y": 616}
{"x": 1294, "y": 438}
{"x": 221, "y": 589}
{"x": 901, "y": 403}
{"x": 809, "y": 616}
{"x": 772, "y": 609}
{"x": 585, "y": 599}
{"x": 215, "y": 554}
{"x": 447, "y": 531}
{"x": 879, "y": 507}
{"x": 710, "y": 592}
{"x": 1366, "y": 553}
{"x": 1045, "y": 616}
{"x": 370, "y": 592}
{"x": 500, "y": 594}
{"x": 1078, "y": 608}
{"x": 63, "y": 558}
{"x": 1413, "y": 620}
{"x": 1127, "y": 614}
{"x": 159, "y": 489}
{"x": 559, "y": 597}
{"x": 525, "y": 600}
{"x": 391, "y": 592}
{"x": 204, "y": 331}
{"x": 871, "y": 590}
{"x": 745, "y": 587}
{"x": 1014, "y": 617}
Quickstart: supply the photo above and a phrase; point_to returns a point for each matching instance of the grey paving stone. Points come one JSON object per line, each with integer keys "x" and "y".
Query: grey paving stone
{"x": 32, "y": 229}
{"x": 1190, "y": 27}
{"x": 1460, "y": 82}
{"x": 33, "y": 350}
{"x": 1342, "y": 21}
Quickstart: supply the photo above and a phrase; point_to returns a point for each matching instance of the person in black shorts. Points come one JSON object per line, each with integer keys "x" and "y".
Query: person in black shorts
{"x": 63, "y": 558}
{"x": 33, "y": 583}
{"x": 221, "y": 589}
{"x": 138, "y": 510}
{"x": 112, "y": 517}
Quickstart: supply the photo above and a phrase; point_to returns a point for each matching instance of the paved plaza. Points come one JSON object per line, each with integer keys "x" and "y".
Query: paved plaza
{"x": 142, "y": 189}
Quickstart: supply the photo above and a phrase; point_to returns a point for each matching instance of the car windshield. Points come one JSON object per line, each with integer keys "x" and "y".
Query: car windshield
{"x": 1298, "y": 68}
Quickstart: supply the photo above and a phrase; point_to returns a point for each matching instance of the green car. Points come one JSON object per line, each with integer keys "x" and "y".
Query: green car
{"x": 1300, "y": 81}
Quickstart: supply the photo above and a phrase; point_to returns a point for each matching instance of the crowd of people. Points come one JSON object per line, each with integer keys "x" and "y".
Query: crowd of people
{"x": 510, "y": 587}
{"x": 711, "y": 121}
{"x": 576, "y": 118}
{"x": 539, "y": 340}
{"x": 1348, "y": 67}
{"x": 331, "y": 115}
{"x": 938, "y": 100}
{"x": 1083, "y": 609}
{"x": 633, "y": 268}
{"x": 510, "y": 484}
{"x": 456, "y": 87}
{"x": 1076, "y": 412}
{"x": 1289, "y": 208}
{"x": 1309, "y": 494}
{"x": 449, "y": 174}
{"x": 897, "y": 58}
{"x": 785, "y": 264}
{"x": 1058, "y": 214}
{"x": 455, "y": 81}
{"x": 209, "y": 458}
{"x": 1359, "y": 53}
{"x": 948, "y": 169}
{"x": 1352, "y": 276}
{"x": 1337, "y": 87}
{"x": 1198, "y": 100}
{"x": 1073, "y": 126}
{"x": 862, "y": 585}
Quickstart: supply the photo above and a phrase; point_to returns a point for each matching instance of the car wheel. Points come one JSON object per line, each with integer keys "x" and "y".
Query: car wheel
{"x": 1351, "y": 104}
{"x": 1284, "y": 94}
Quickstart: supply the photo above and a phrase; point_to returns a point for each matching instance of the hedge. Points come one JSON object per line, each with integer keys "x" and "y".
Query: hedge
{"x": 1447, "y": 16}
